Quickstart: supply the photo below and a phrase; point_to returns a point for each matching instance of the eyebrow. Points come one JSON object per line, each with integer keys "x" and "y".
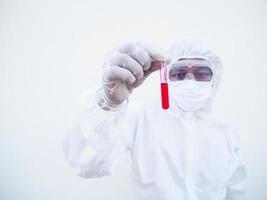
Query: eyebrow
{"x": 177, "y": 69}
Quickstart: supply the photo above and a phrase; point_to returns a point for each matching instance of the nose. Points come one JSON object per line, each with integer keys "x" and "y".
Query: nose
{"x": 190, "y": 76}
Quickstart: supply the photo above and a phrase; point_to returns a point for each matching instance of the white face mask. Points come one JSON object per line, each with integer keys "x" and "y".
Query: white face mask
{"x": 190, "y": 95}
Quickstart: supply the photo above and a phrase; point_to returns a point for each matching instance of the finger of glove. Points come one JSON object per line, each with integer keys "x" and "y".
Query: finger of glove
{"x": 155, "y": 66}
{"x": 127, "y": 62}
{"x": 117, "y": 73}
{"x": 138, "y": 53}
{"x": 157, "y": 58}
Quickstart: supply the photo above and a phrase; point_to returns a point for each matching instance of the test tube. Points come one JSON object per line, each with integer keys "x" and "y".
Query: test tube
{"x": 164, "y": 85}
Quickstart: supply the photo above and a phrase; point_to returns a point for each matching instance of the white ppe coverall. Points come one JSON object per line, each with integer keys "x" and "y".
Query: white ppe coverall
{"x": 175, "y": 154}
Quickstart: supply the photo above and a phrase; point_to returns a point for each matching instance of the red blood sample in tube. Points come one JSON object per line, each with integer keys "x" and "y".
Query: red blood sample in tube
{"x": 164, "y": 95}
{"x": 164, "y": 85}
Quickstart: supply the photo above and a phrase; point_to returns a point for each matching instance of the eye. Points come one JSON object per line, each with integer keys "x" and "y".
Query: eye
{"x": 202, "y": 74}
{"x": 179, "y": 75}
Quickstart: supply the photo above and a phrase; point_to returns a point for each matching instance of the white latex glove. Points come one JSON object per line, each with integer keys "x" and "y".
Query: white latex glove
{"x": 124, "y": 70}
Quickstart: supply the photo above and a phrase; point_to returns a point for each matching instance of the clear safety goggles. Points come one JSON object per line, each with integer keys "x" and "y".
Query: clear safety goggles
{"x": 181, "y": 70}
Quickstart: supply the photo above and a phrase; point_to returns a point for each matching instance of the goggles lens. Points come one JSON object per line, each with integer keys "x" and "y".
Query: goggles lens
{"x": 199, "y": 73}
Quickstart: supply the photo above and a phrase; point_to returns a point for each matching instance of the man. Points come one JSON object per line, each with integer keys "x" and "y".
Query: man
{"x": 179, "y": 153}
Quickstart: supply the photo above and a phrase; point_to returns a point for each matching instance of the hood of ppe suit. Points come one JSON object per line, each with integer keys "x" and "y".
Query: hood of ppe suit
{"x": 198, "y": 49}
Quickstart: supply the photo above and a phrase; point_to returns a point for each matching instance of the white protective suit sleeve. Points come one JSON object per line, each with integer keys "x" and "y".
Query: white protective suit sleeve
{"x": 236, "y": 187}
{"x": 98, "y": 140}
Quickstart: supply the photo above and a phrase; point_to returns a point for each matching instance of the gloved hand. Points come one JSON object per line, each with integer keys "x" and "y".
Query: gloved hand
{"x": 124, "y": 70}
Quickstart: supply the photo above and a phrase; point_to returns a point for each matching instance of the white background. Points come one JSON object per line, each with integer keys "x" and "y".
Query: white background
{"x": 52, "y": 50}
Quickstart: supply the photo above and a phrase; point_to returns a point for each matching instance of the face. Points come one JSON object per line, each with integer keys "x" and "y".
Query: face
{"x": 190, "y": 68}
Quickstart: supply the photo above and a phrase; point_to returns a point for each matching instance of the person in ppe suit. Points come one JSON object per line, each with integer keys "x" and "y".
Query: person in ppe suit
{"x": 181, "y": 153}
